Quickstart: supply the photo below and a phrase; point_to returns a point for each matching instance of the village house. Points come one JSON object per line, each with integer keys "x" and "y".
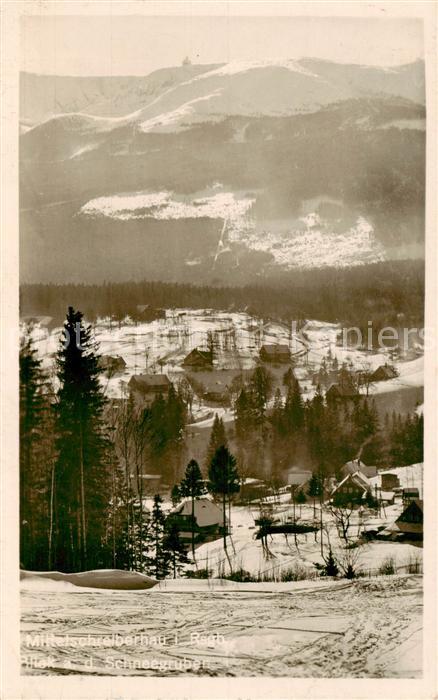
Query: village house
{"x": 352, "y": 489}
{"x": 276, "y": 354}
{"x": 298, "y": 479}
{"x": 199, "y": 359}
{"x": 342, "y": 391}
{"x": 389, "y": 481}
{"x": 112, "y": 365}
{"x": 151, "y": 483}
{"x": 217, "y": 387}
{"x": 325, "y": 378}
{"x": 383, "y": 373}
{"x": 252, "y": 489}
{"x": 209, "y": 519}
{"x": 356, "y": 465}
{"x": 409, "y": 494}
{"x": 144, "y": 388}
{"x": 409, "y": 525}
{"x": 147, "y": 313}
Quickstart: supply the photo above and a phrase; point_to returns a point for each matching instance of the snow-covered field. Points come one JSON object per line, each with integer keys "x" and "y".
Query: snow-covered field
{"x": 365, "y": 628}
{"x": 245, "y": 552}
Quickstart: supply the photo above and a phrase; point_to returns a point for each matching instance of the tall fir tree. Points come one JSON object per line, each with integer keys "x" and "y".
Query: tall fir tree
{"x": 294, "y": 408}
{"x": 314, "y": 490}
{"x": 243, "y": 415}
{"x": 218, "y": 437}
{"x": 175, "y": 549}
{"x": 36, "y": 458}
{"x": 224, "y": 480}
{"x": 82, "y": 482}
{"x": 261, "y": 388}
{"x": 158, "y": 557}
{"x": 192, "y": 486}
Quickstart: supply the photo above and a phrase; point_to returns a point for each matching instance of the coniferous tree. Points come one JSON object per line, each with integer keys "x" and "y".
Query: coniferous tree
{"x": 124, "y": 444}
{"x": 261, "y": 387}
{"x": 224, "y": 480}
{"x": 192, "y": 486}
{"x": 277, "y": 416}
{"x": 175, "y": 495}
{"x": 330, "y": 568}
{"x": 244, "y": 415}
{"x": 314, "y": 490}
{"x": 218, "y": 437}
{"x": 81, "y": 472}
{"x": 300, "y": 498}
{"x": 294, "y": 408}
{"x": 158, "y": 557}
{"x": 140, "y": 436}
{"x": 175, "y": 423}
{"x": 316, "y": 428}
{"x": 36, "y": 459}
{"x": 175, "y": 549}
{"x": 288, "y": 378}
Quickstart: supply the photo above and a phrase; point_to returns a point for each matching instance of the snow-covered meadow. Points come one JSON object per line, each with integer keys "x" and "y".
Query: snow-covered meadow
{"x": 368, "y": 628}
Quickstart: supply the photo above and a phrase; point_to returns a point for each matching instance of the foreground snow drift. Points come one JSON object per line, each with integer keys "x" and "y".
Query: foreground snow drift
{"x": 114, "y": 579}
{"x": 366, "y": 628}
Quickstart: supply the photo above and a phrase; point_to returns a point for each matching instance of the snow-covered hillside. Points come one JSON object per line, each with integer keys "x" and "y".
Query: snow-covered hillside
{"x": 240, "y": 87}
{"x": 161, "y": 346}
{"x": 310, "y": 242}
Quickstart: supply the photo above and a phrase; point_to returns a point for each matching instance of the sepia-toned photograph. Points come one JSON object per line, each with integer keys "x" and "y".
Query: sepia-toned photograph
{"x": 221, "y": 345}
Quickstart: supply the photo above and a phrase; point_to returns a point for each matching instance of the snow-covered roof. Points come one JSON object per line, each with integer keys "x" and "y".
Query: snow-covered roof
{"x": 207, "y": 513}
{"x": 355, "y": 465}
{"x": 386, "y": 495}
{"x": 298, "y": 478}
{"x": 357, "y": 478}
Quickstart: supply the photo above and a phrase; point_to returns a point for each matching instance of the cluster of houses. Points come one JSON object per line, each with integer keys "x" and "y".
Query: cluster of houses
{"x": 361, "y": 482}
{"x": 212, "y": 385}
{"x": 342, "y": 383}
{"x": 358, "y": 481}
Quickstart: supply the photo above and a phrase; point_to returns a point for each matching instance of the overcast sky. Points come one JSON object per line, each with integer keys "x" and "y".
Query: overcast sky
{"x": 137, "y": 45}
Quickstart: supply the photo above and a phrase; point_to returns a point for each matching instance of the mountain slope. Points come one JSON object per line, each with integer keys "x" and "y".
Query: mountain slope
{"x": 45, "y": 96}
{"x": 248, "y": 88}
{"x": 230, "y": 171}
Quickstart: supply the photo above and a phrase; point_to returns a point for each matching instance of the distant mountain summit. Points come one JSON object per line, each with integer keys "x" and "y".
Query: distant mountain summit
{"x": 171, "y": 95}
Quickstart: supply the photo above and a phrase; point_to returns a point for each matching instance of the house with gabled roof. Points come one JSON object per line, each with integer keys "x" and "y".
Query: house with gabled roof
{"x": 277, "y": 354}
{"x": 217, "y": 387}
{"x": 356, "y": 465}
{"x": 208, "y": 519}
{"x": 342, "y": 390}
{"x": 199, "y": 359}
{"x": 383, "y": 373}
{"x": 112, "y": 364}
{"x": 352, "y": 489}
{"x": 144, "y": 388}
{"x": 410, "y": 523}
